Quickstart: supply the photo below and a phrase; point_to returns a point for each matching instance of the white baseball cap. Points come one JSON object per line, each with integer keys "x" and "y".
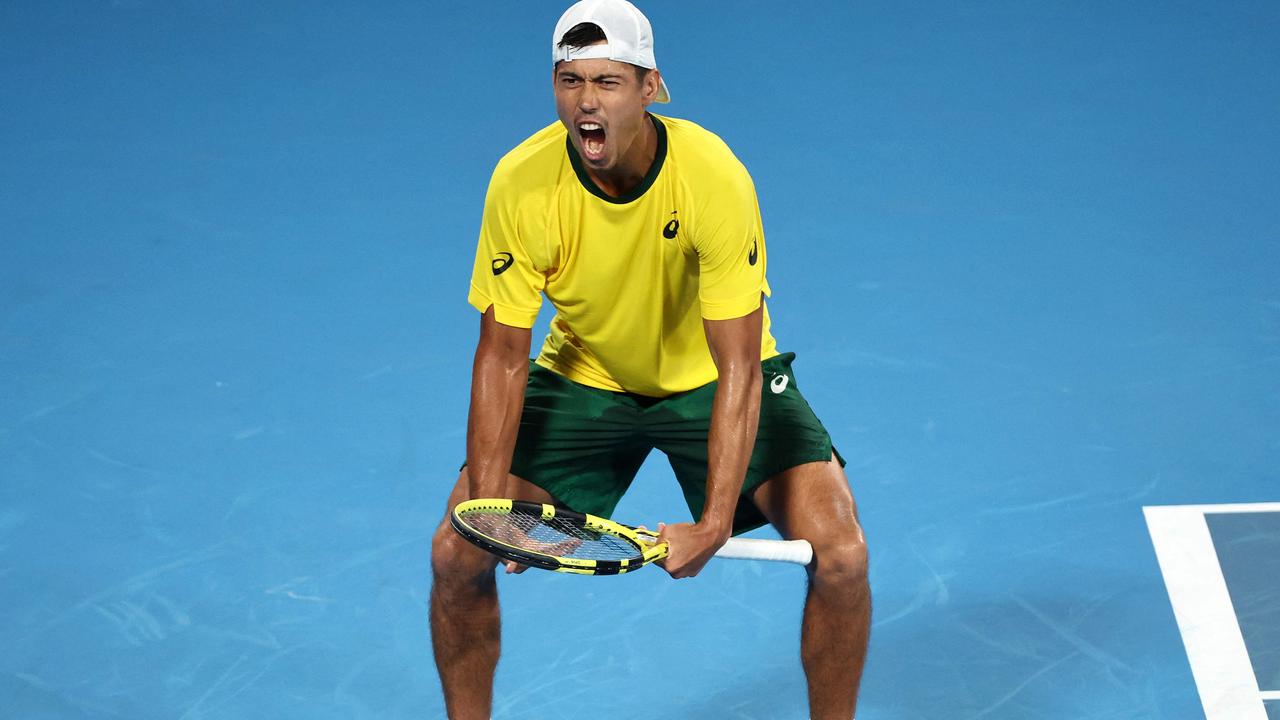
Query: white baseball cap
{"x": 628, "y": 35}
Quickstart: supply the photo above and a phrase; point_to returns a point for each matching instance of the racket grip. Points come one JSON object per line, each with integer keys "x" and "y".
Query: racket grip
{"x": 792, "y": 551}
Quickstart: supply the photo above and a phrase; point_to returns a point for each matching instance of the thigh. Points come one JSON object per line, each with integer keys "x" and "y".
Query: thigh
{"x": 517, "y": 488}
{"x": 451, "y": 554}
{"x": 812, "y": 502}
{"x": 789, "y": 435}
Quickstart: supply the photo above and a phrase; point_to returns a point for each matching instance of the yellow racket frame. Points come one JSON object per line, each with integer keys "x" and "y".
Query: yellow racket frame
{"x": 646, "y": 543}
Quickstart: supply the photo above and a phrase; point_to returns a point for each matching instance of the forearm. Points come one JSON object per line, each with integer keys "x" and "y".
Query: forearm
{"x": 735, "y": 416}
{"x": 498, "y": 377}
{"x": 497, "y": 397}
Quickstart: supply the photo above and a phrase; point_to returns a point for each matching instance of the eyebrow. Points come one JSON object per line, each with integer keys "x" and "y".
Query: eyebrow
{"x": 594, "y": 78}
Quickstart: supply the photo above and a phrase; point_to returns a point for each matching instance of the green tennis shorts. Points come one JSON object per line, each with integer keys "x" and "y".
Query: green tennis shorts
{"x": 585, "y": 445}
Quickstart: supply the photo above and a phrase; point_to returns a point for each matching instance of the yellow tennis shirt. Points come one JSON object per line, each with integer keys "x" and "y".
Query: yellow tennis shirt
{"x": 631, "y": 278}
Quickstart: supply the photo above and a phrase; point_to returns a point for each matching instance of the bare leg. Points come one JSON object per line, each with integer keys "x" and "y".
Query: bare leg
{"x": 465, "y": 618}
{"x": 813, "y": 502}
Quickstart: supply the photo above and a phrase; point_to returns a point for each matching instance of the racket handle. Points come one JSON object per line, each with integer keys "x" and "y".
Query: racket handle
{"x": 792, "y": 551}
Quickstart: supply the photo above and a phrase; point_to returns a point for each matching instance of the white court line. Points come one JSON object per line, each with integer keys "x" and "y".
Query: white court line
{"x": 1221, "y": 509}
{"x": 1271, "y": 695}
{"x": 1202, "y": 606}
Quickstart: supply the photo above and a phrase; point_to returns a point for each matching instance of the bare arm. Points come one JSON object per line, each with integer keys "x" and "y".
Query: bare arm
{"x": 735, "y": 416}
{"x": 498, "y": 377}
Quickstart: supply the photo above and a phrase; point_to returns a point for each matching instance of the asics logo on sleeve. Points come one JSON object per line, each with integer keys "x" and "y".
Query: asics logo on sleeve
{"x": 754, "y": 254}
{"x": 501, "y": 263}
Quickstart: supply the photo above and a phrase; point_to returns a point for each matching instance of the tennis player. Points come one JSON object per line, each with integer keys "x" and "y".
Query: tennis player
{"x": 645, "y": 234}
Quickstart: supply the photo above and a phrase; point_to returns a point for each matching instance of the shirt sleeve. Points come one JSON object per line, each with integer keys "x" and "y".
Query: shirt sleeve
{"x": 729, "y": 242}
{"x": 504, "y": 276}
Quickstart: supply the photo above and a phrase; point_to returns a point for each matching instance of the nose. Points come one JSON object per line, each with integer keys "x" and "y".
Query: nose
{"x": 587, "y": 100}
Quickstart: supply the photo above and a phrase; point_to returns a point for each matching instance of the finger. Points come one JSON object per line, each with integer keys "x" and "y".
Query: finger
{"x": 565, "y": 547}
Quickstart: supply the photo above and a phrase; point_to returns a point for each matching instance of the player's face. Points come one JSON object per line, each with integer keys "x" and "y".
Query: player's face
{"x": 602, "y": 103}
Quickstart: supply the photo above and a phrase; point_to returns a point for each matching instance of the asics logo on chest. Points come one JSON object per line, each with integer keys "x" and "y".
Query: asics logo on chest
{"x": 671, "y": 228}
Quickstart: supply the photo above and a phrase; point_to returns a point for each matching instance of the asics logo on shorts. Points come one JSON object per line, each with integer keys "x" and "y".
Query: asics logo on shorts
{"x": 754, "y": 254}
{"x": 502, "y": 262}
{"x": 779, "y": 383}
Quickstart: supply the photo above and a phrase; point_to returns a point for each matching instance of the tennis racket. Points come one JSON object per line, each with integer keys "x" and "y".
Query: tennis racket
{"x": 552, "y": 538}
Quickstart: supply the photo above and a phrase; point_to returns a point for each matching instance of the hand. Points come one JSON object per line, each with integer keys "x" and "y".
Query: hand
{"x": 690, "y": 546}
{"x": 563, "y": 547}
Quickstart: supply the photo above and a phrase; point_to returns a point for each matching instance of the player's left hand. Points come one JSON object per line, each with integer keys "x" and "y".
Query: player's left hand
{"x": 564, "y": 547}
{"x": 691, "y": 545}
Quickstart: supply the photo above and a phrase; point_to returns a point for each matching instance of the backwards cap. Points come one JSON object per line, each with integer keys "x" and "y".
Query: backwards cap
{"x": 628, "y": 35}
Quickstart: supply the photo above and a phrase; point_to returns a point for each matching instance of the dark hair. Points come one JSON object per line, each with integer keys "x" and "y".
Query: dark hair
{"x": 586, "y": 34}
{"x": 582, "y": 35}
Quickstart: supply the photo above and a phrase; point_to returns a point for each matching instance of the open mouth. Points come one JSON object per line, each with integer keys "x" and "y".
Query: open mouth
{"x": 592, "y": 135}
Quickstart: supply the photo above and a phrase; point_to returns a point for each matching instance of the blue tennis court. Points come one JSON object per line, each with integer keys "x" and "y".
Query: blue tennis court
{"x": 1027, "y": 253}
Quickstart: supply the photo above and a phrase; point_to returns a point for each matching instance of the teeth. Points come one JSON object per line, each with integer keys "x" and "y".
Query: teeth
{"x": 590, "y": 126}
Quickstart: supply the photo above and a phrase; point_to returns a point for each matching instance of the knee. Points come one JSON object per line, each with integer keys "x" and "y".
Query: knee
{"x": 841, "y": 561}
{"x": 454, "y": 560}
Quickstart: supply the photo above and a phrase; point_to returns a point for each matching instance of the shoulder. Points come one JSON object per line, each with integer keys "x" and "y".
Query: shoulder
{"x": 536, "y": 162}
{"x": 700, "y": 153}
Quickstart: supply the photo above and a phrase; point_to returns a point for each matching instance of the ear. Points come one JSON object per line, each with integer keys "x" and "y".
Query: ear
{"x": 649, "y": 87}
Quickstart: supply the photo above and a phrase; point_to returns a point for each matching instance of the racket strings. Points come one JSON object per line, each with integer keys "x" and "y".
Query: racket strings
{"x": 554, "y": 536}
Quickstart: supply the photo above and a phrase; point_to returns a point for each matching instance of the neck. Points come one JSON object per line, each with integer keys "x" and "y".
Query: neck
{"x": 626, "y": 175}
